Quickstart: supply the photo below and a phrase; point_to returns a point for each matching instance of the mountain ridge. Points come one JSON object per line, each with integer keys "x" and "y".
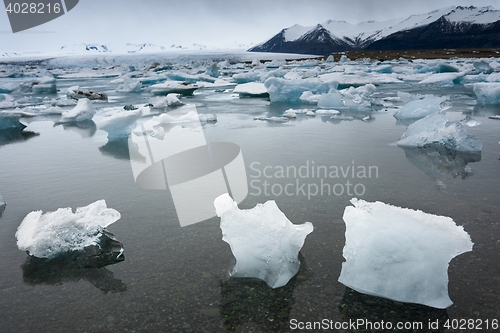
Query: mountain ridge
{"x": 444, "y": 28}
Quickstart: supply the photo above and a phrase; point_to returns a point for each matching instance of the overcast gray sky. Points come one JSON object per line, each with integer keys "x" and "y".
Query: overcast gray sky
{"x": 215, "y": 23}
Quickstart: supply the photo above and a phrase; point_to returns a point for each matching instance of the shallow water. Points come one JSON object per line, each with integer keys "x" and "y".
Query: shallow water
{"x": 176, "y": 279}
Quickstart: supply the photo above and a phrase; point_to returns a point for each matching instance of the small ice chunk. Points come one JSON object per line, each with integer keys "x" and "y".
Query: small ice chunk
{"x": 487, "y": 92}
{"x": 83, "y": 111}
{"x": 129, "y": 85}
{"x": 436, "y": 130}
{"x": 344, "y": 59}
{"x": 290, "y": 113}
{"x": 470, "y": 121}
{"x": 168, "y": 87}
{"x": 273, "y": 119}
{"x": 77, "y": 93}
{"x": 120, "y": 124}
{"x": 400, "y": 253}
{"x": 61, "y": 233}
{"x": 421, "y": 108}
{"x": 262, "y": 239}
{"x": 326, "y": 112}
{"x": 46, "y": 85}
{"x": 173, "y": 100}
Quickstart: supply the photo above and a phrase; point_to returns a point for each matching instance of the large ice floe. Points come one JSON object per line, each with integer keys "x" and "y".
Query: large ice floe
{"x": 120, "y": 124}
{"x": 263, "y": 241}
{"x": 420, "y": 108}
{"x": 83, "y": 111}
{"x": 80, "y": 237}
{"x": 487, "y": 92}
{"x": 435, "y": 130}
{"x": 282, "y": 90}
{"x": 399, "y": 253}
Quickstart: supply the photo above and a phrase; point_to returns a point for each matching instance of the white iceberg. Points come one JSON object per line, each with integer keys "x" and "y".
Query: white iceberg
{"x": 354, "y": 99}
{"x": 55, "y": 234}
{"x": 46, "y": 85}
{"x": 487, "y": 92}
{"x": 120, "y": 124}
{"x": 421, "y": 108}
{"x": 173, "y": 100}
{"x": 435, "y": 130}
{"x": 399, "y": 253}
{"x": 83, "y": 111}
{"x": 251, "y": 89}
{"x": 262, "y": 239}
{"x": 168, "y": 87}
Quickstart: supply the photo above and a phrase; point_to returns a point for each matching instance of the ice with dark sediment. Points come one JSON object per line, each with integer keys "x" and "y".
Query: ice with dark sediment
{"x": 79, "y": 236}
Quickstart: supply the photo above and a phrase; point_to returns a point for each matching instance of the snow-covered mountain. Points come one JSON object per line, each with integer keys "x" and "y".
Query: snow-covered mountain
{"x": 450, "y": 27}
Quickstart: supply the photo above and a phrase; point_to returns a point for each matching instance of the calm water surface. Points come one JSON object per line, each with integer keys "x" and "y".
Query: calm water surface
{"x": 176, "y": 279}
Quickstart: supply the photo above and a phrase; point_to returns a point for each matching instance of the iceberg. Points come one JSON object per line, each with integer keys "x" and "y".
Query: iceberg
{"x": 46, "y": 85}
{"x": 76, "y": 93}
{"x": 421, "y": 108}
{"x": 83, "y": 111}
{"x": 10, "y": 120}
{"x": 251, "y": 89}
{"x": 487, "y": 92}
{"x": 435, "y": 130}
{"x": 283, "y": 90}
{"x": 120, "y": 124}
{"x": 168, "y": 87}
{"x": 354, "y": 99}
{"x": 262, "y": 239}
{"x": 400, "y": 253}
{"x": 173, "y": 100}
{"x": 80, "y": 236}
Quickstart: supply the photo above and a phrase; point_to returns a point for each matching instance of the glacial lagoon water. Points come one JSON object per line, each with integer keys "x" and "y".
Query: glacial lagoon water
{"x": 176, "y": 279}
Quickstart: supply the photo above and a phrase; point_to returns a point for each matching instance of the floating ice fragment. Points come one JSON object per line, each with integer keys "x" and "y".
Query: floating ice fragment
{"x": 273, "y": 119}
{"x": 168, "y": 87}
{"x": 262, "y": 239}
{"x": 470, "y": 121}
{"x": 251, "y": 89}
{"x": 120, "y": 124}
{"x": 435, "y": 130}
{"x": 83, "y": 111}
{"x": 10, "y": 120}
{"x": 423, "y": 107}
{"x": 81, "y": 236}
{"x": 487, "y": 92}
{"x": 283, "y": 90}
{"x": 77, "y": 93}
{"x": 327, "y": 112}
{"x": 399, "y": 253}
{"x": 173, "y": 100}
{"x": 46, "y": 85}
